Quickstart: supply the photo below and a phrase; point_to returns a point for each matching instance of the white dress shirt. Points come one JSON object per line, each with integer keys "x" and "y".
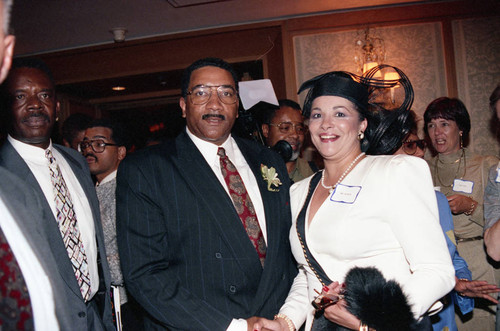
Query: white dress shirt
{"x": 39, "y": 165}
{"x": 209, "y": 152}
{"x": 39, "y": 288}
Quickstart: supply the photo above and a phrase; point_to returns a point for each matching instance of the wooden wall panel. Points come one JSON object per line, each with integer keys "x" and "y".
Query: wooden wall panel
{"x": 174, "y": 52}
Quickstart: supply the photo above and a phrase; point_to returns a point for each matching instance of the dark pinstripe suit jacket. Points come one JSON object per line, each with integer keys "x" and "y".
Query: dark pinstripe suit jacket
{"x": 83, "y": 317}
{"x": 184, "y": 252}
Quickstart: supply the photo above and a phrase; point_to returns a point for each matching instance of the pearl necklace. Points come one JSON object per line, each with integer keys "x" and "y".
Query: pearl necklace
{"x": 330, "y": 189}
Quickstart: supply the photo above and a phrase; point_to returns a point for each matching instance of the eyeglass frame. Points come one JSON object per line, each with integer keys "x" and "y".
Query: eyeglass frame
{"x": 294, "y": 127}
{"x": 190, "y": 93}
{"x": 419, "y": 143}
{"x": 90, "y": 142}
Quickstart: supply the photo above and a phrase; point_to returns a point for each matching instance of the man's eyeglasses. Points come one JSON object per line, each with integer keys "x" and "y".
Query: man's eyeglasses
{"x": 287, "y": 127}
{"x": 200, "y": 94}
{"x": 97, "y": 145}
{"x": 410, "y": 146}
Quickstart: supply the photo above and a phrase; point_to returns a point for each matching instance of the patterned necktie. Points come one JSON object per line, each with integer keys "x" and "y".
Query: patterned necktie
{"x": 68, "y": 226}
{"x": 243, "y": 204}
{"x": 15, "y": 306}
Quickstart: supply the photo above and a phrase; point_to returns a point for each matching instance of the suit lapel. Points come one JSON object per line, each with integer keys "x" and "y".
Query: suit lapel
{"x": 13, "y": 162}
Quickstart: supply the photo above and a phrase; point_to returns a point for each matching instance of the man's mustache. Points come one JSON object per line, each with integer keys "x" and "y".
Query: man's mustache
{"x": 205, "y": 116}
{"x": 43, "y": 115}
{"x": 91, "y": 155}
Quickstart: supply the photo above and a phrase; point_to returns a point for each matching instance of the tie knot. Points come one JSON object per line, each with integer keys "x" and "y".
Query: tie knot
{"x": 49, "y": 156}
{"x": 221, "y": 152}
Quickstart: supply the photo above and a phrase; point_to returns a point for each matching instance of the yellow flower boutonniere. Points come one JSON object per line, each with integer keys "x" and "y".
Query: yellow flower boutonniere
{"x": 271, "y": 177}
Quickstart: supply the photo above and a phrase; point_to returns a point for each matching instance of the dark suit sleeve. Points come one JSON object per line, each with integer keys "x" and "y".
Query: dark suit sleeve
{"x": 146, "y": 254}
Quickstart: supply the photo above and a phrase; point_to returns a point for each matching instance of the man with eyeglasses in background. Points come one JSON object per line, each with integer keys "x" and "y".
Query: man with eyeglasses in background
{"x": 104, "y": 147}
{"x": 203, "y": 220}
{"x": 60, "y": 178}
{"x": 287, "y": 123}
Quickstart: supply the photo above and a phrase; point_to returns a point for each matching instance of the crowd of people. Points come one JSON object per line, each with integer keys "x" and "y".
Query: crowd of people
{"x": 211, "y": 231}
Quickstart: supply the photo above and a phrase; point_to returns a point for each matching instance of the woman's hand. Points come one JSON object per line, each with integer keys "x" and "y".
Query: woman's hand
{"x": 338, "y": 313}
{"x": 476, "y": 289}
{"x": 461, "y": 204}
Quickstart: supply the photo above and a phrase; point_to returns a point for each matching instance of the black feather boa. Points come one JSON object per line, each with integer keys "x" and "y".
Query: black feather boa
{"x": 379, "y": 303}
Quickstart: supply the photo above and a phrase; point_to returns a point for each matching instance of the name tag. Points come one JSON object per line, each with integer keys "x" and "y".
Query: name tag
{"x": 345, "y": 193}
{"x": 498, "y": 175}
{"x": 464, "y": 186}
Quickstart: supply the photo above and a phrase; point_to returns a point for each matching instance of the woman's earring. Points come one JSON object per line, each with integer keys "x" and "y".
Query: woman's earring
{"x": 461, "y": 141}
{"x": 361, "y": 135}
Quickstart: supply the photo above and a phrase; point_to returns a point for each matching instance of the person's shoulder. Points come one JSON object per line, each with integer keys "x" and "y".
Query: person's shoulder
{"x": 250, "y": 144}
{"x": 150, "y": 154}
{"x": 265, "y": 154}
{"x": 494, "y": 168}
{"x": 479, "y": 158}
{"x": 67, "y": 150}
{"x": 397, "y": 162}
{"x": 301, "y": 185}
{"x": 14, "y": 187}
{"x": 395, "y": 159}
{"x": 491, "y": 161}
{"x": 70, "y": 154}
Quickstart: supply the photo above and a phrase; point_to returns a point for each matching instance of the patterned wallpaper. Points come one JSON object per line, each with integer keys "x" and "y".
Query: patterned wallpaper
{"x": 417, "y": 49}
{"x": 477, "y": 54}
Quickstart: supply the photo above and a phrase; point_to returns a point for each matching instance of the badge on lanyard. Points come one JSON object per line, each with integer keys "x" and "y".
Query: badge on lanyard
{"x": 498, "y": 174}
{"x": 345, "y": 193}
{"x": 464, "y": 186}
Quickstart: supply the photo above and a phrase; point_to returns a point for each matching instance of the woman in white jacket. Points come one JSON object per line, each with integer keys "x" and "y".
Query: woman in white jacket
{"x": 363, "y": 211}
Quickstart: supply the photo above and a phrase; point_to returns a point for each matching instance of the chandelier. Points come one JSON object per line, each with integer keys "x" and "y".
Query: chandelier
{"x": 369, "y": 51}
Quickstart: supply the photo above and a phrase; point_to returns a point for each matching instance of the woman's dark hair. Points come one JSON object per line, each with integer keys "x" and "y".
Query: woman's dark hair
{"x": 409, "y": 124}
{"x": 494, "y": 97}
{"x": 387, "y": 119}
{"x": 450, "y": 109}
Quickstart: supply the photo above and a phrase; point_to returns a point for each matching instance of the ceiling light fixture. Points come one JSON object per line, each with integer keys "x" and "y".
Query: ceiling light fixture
{"x": 369, "y": 51}
{"x": 118, "y": 34}
{"x": 118, "y": 88}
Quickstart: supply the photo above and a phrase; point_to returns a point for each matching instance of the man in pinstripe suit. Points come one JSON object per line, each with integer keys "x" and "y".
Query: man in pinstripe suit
{"x": 186, "y": 256}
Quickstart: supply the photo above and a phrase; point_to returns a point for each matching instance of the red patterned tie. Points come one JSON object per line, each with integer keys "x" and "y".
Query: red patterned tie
{"x": 15, "y": 306}
{"x": 243, "y": 204}
{"x": 68, "y": 227}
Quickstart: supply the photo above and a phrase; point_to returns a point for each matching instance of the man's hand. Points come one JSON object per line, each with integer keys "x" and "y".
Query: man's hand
{"x": 263, "y": 324}
{"x": 476, "y": 289}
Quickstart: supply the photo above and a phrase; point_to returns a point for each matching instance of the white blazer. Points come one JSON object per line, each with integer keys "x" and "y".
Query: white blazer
{"x": 392, "y": 224}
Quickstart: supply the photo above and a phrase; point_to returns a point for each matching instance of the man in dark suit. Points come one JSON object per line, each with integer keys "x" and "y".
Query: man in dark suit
{"x": 186, "y": 255}
{"x": 29, "y": 98}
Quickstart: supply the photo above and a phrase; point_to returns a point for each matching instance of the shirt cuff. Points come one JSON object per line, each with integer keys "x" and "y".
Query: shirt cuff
{"x": 238, "y": 325}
